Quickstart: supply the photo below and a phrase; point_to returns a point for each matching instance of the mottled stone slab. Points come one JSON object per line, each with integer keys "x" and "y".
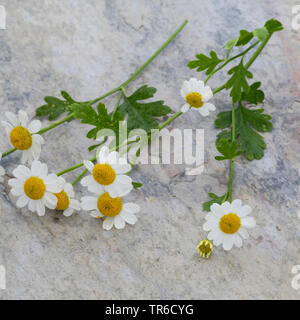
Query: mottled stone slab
{"x": 87, "y": 48}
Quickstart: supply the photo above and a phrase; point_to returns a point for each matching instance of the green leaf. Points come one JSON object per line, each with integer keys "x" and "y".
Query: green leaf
{"x": 273, "y": 25}
{"x": 229, "y": 151}
{"x": 248, "y": 124}
{"x": 229, "y": 45}
{"x": 54, "y": 107}
{"x": 238, "y": 81}
{"x": 204, "y": 62}
{"x": 244, "y": 38}
{"x": 215, "y": 199}
{"x": 142, "y": 115}
{"x": 137, "y": 185}
{"x": 261, "y": 33}
{"x": 100, "y": 119}
{"x": 254, "y": 95}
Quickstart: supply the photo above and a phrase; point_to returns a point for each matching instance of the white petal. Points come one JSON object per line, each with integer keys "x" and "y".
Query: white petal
{"x": 185, "y": 108}
{"x": 95, "y": 187}
{"x": 12, "y": 118}
{"x": 228, "y": 242}
{"x": 248, "y": 222}
{"x": 50, "y": 200}
{"x": 128, "y": 217}
{"x": 40, "y": 208}
{"x": 15, "y": 183}
{"x": 203, "y": 111}
{"x": 32, "y": 205}
{"x": 119, "y": 222}
{"x": 69, "y": 190}
{"x": 34, "y": 126}
{"x": 17, "y": 191}
{"x": 120, "y": 187}
{"x": 108, "y": 223}
{"x": 22, "y": 172}
{"x": 52, "y": 183}
{"x": 131, "y": 207}
{"x": 210, "y": 107}
{"x": 89, "y": 165}
{"x": 244, "y": 233}
{"x": 38, "y": 139}
{"x": 209, "y": 225}
{"x": 103, "y": 154}
{"x": 238, "y": 241}
{"x": 22, "y": 201}
{"x": 36, "y": 168}
{"x": 89, "y": 203}
{"x": 23, "y": 118}
{"x": 7, "y": 127}
{"x": 244, "y": 211}
{"x": 44, "y": 171}
{"x": 68, "y": 212}
{"x": 121, "y": 168}
{"x": 96, "y": 214}
{"x": 207, "y": 94}
{"x": 75, "y": 204}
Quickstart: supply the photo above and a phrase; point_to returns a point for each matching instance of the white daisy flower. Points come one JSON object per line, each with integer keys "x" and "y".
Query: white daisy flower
{"x": 22, "y": 135}
{"x": 2, "y": 171}
{"x": 65, "y": 198}
{"x": 113, "y": 210}
{"x": 197, "y": 95}
{"x": 227, "y": 223}
{"x": 108, "y": 175}
{"x": 35, "y": 188}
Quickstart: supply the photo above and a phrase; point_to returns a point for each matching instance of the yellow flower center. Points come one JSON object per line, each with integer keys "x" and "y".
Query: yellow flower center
{"x": 194, "y": 99}
{"x": 104, "y": 174}
{"x": 108, "y": 206}
{"x": 63, "y": 200}
{"x": 34, "y": 188}
{"x": 205, "y": 248}
{"x": 230, "y": 223}
{"x": 20, "y": 138}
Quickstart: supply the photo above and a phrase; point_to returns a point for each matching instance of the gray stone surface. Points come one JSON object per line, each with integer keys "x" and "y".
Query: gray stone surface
{"x": 87, "y": 48}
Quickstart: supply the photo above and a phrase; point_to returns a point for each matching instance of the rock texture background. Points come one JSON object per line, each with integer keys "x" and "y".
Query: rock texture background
{"x": 87, "y": 48}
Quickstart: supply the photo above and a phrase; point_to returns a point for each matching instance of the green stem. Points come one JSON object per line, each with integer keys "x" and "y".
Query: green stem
{"x": 117, "y": 104}
{"x": 143, "y": 66}
{"x": 74, "y": 167}
{"x": 53, "y": 125}
{"x": 258, "y": 51}
{"x": 231, "y": 59}
{"x": 79, "y": 177}
{"x": 176, "y": 115}
{"x": 232, "y": 160}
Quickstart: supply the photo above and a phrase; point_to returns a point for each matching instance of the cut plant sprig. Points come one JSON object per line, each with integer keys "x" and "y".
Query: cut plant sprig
{"x": 244, "y": 123}
{"x": 56, "y": 107}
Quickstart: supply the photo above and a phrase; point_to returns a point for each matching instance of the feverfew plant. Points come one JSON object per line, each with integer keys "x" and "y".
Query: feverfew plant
{"x": 241, "y": 127}
{"x": 108, "y": 171}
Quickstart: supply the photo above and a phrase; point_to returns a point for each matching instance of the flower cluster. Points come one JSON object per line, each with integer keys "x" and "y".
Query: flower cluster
{"x": 109, "y": 182}
{"x": 108, "y": 178}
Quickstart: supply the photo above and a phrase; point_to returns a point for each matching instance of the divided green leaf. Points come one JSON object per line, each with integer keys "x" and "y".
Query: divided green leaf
{"x": 137, "y": 185}
{"x": 238, "y": 81}
{"x": 273, "y": 25}
{"x": 204, "y": 62}
{"x": 54, "y": 107}
{"x": 254, "y": 95}
{"x": 143, "y": 115}
{"x": 215, "y": 199}
{"x": 100, "y": 119}
{"x": 244, "y": 38}
{"x": 248, "y": 124}
{"x": 261, "y": 33}
{"x": 229, "y": 151}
